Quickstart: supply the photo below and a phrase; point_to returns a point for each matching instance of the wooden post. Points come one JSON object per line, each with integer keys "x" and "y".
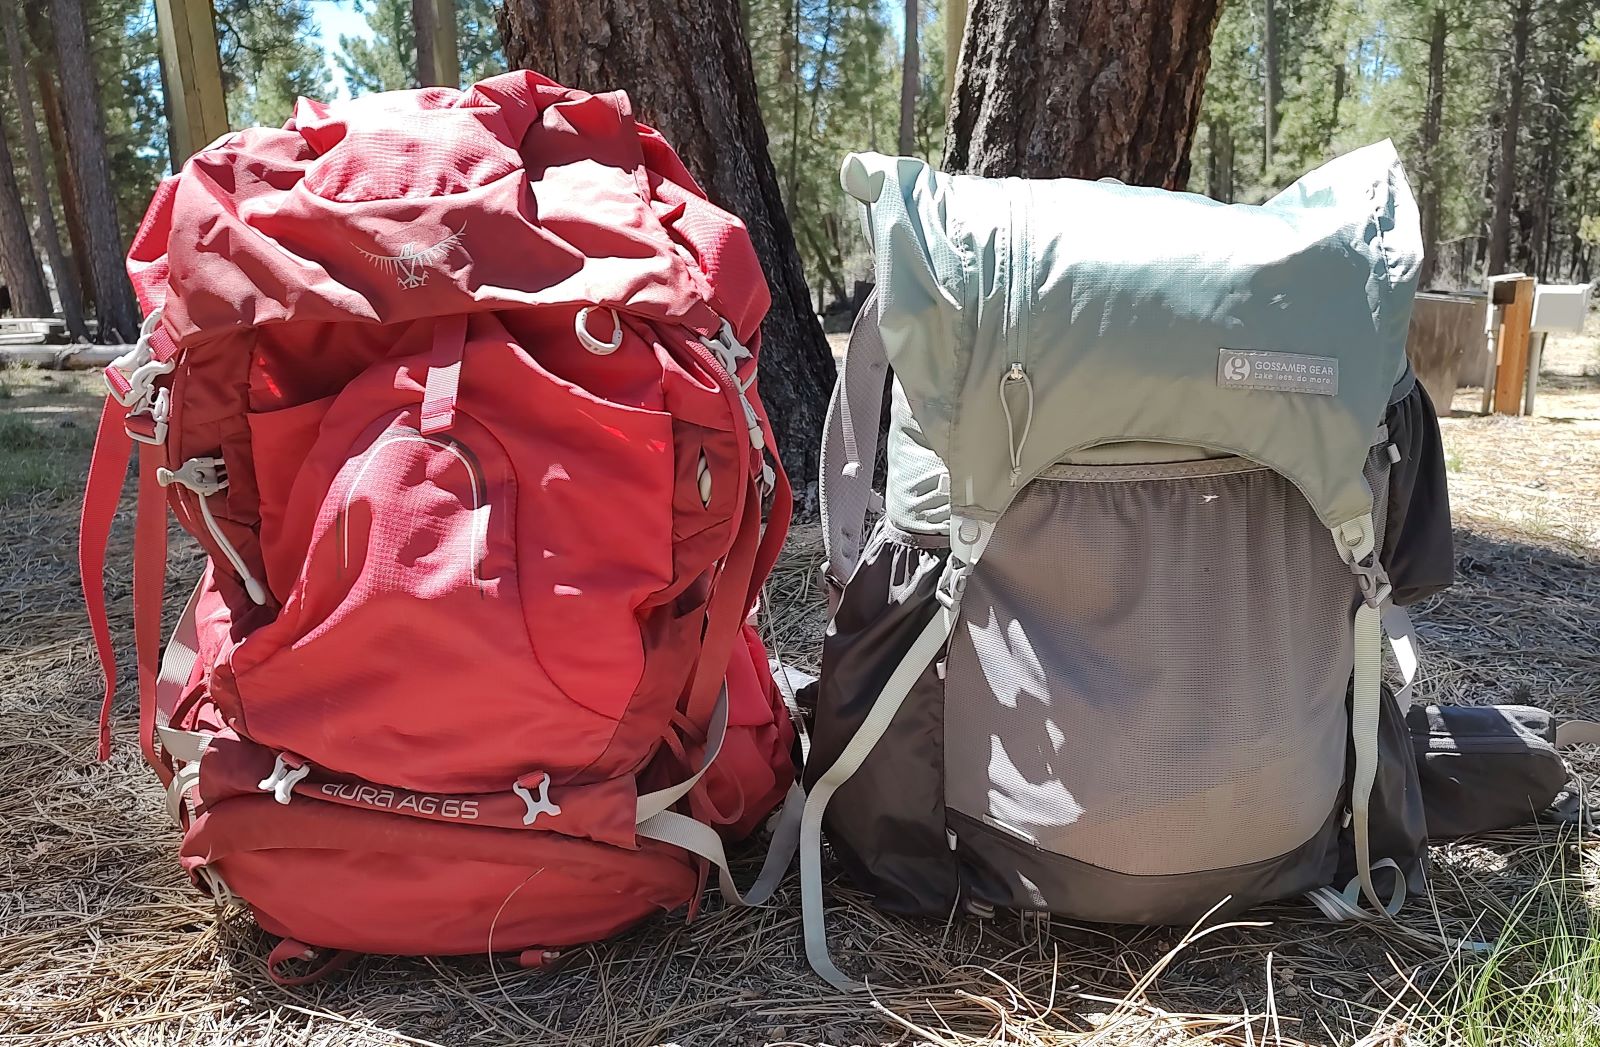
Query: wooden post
{"x": 955, "y": 26}
{"x": 446, "y": 53}
{"x": 1516, "y": 321}
{"x": 197, "y": 108}
{"x": 438, "y": 59}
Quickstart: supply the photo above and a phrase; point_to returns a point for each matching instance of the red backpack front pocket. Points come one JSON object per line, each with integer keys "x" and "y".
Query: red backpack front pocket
{"x": 454, "y": 618}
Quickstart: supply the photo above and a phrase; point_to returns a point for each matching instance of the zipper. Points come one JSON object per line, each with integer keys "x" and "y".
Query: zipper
{"x": 1019, "y": 279}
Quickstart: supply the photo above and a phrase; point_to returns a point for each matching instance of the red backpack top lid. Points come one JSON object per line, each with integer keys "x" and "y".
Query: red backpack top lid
{"x": 515, "y": 192}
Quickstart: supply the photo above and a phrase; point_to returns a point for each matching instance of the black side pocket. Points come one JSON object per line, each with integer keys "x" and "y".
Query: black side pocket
{"x": 1484, "y": 767}
{"x": 887, "y": 823}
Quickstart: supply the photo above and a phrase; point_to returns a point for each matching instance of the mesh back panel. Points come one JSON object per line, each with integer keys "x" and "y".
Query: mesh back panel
{"x": 1149, "y": 674}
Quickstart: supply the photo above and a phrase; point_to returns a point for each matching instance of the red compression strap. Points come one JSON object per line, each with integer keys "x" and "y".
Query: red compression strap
{"x": 108, "y": 468}
{"x": 725, "y": 613}
{"x": 149, "y": 585}
{"x": 323, "y": 962}
{"x": 444, "y": 374}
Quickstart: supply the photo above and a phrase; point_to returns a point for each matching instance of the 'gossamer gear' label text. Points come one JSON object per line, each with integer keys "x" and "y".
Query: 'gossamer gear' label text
{"x": 1278, "y": 372}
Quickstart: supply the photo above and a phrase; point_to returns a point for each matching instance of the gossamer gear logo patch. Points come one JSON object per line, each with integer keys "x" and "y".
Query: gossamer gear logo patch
{"x": 1278, "y": 372}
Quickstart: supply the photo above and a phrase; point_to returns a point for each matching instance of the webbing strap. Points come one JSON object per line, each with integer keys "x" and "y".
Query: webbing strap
{"x": 1403, "y": 642}
{"x": 149, "y": 588}
{"x": 182, "y": 651}
{"x": 108, "y": 468}
{"x": 924, "y": 649}
{"x": 651, "y": 804}
{"x": 1365, "y": 709}
{"x": 1577, "y": 732}
{"x": 444, "y": 374}
{"x": 850, "y": 445}
{"x": 1340, "y": 906}
{"x": 726, "y": 613}
{"x": 699, "y": 838}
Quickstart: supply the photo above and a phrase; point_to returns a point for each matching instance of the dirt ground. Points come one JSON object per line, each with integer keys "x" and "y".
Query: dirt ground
{"x": 103, "y": 942}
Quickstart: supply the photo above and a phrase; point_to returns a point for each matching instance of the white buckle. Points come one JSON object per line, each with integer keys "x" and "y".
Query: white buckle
{"x": 1357, "y": 543}
{"x": 139, "y": 366}
{"x": 729, "y": 351}
{"x": 281, "y": 782}
{"x": 160, "y": 410}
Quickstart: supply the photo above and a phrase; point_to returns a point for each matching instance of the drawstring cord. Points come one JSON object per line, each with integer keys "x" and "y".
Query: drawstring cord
{"x": 1013, "y": 444}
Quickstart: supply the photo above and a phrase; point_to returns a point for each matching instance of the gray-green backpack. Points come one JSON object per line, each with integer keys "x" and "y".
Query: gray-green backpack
{"x": 1158, "y": 479}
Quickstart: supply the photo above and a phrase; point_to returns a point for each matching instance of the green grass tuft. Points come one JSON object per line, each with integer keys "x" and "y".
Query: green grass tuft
{"x": 1539, "y": 984}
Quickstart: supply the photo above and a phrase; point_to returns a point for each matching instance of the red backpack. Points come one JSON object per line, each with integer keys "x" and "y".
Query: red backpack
{"x": 456, "y": 391}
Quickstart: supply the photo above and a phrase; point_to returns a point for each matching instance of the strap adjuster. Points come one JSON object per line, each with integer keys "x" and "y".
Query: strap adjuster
{"x": 149, "y": 425}
{"x": 131, "y": 377}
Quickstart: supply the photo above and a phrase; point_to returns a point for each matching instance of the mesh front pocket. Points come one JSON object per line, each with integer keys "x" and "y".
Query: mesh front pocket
{"x": 1149, "y": 672}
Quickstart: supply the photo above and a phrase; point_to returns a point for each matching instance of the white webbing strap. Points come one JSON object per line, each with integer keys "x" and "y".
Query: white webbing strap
{"x": 1340, "y": 906}
{"x": 177, "y": 660}
{"x": 923, "y": 650}
{"x": 1403, "y": 642}
{"x": 850, "y": 445}
{"x": 185, "y": 747}
{"x": 1356, "y": 541}
{"x": 699, "y": 838}
{"x": 1577, "y": 732}
{"x": 1365, "y": 710}
{"x": 651, "y": 804}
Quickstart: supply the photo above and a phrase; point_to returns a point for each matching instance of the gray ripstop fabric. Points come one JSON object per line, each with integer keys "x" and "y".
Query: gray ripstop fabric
{"x": 1118, "y": 303}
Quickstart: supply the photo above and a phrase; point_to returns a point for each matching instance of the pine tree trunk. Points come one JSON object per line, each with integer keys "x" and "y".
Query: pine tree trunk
{"x": 66, "y": 183}
{"x": 425, "y": 28}
{"x": 910, "y": 72}
{"x": 1510, "y": 128}
{"x": 687, "y": 68}
{"x": 1274, "y": 94}
{"x": 1428, "y": 160}
{"x": 27, "y": 116}
{"x": 1081, "y": 88}
{"x": 1338, "y": 100}
{"x": 1552, "y": 121}
{"x": 86, "y": 137}
{"x": 19, "y": 263}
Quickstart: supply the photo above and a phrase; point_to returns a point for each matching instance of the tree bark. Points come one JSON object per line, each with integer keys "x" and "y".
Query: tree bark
{"x": 1274, "y": 78}
{"x": 910, "y": 72}
{"x": 705, "y": 104}
{"x": 1510, "y": 127}
{"x": 66, "y": 183}
{"x": 425, "y": 28}
{"x": 86, "y": 136}
{"x": 1081, "y": 88}
{"x": 19, "y": 262}
{"x": 27, "y": 115}
{"x": 1428, "y": 160}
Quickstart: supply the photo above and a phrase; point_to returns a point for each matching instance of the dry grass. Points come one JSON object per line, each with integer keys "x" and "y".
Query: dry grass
{"x": 104, "y": 943}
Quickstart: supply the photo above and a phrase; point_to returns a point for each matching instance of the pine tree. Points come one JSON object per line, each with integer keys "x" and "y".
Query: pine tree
{"x": 86, "y": 136}
{"x": 270, "y": 57}
{"x": 708, "y": 109}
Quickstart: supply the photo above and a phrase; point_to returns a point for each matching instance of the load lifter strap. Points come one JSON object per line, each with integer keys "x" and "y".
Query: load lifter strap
{"x": 850, "y": 447}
